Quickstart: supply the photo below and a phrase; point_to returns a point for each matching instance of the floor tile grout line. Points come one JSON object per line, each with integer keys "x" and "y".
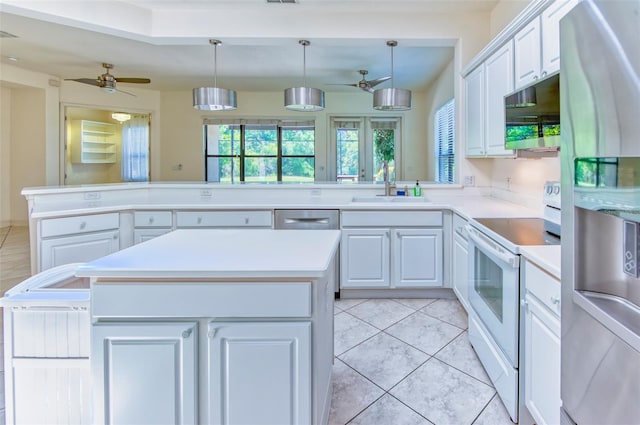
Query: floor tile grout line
{"x": 484, "y": 408}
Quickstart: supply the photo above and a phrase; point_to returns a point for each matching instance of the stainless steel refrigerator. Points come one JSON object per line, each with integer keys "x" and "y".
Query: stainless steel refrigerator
{"x": 600, "y": 130}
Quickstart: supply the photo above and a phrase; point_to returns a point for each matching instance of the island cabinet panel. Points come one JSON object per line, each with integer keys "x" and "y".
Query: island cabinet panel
{"x": 77, "y": 248}
{"x": 260, "y": 373}
{"x": 145, "y": 373}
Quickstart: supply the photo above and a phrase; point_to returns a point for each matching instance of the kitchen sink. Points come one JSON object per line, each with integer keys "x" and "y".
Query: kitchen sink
{"x": 387, "y": 199}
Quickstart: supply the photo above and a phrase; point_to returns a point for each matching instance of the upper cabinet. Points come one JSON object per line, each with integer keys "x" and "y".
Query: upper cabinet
{"x": 537, "y": 45}
{"x": 485, "y": 89}
{"x": 527, "y": 50}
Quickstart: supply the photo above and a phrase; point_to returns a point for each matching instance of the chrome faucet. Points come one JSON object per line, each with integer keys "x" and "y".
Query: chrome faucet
{"x": 389, "y": 188}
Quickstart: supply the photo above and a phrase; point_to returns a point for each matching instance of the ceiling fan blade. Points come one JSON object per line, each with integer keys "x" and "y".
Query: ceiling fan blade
{"x": 340, "y": 84}
{"x": 368, "y": 89}
{"x": 91, "y": 81}
{"x": 133, "y": 80}
{"x": 378, "y": 81}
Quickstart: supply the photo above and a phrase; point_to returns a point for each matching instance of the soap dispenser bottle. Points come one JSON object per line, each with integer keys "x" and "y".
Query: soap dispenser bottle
{"x": 417, "y": 190}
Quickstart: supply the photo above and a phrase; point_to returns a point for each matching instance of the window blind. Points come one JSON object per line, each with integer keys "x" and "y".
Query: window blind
{"x": 444, "y": 126}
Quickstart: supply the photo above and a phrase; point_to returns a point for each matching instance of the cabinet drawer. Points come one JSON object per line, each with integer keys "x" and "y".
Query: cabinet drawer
{"x": 459, "y": 224}
{"x": 81, "y": 224}
{"x": 391, "y": 219}
{"x": 543, "y": 286}
{"x": 152, "y": 219}
{"x": 224, "y": 219}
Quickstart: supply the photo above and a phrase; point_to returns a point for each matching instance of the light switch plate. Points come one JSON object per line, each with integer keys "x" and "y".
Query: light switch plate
{"x": 630, "y": 248}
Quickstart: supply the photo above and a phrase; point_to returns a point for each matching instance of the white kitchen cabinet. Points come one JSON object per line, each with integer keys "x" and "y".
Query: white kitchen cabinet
{"x": 485, "y": 88}
{"x": 77, "y": 239}
{"x": 94, "y": 142}
{"x": 145, "y": 372}
{"x": 151, "y": 224}
{"x": 542, "y": 344}
{"x": 537, "y": 44}
{"x": 498, "y": 84}
{"x": 474, "y": 112}
{"x": 260, "y": 372}
{"x": 417, "y": 258}
{"x": 389, "y": 250}
{"x": 460, "y": 273}
{"x": 364, "y": 261}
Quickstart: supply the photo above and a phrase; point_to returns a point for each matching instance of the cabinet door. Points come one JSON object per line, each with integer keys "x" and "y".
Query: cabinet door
{"x": 460, "y": 271}
{"x": 527, "y": 54}
{"x": 364, "y": 258}
{"x": 141, "y": 235}
{"x": 474, "y": 112}
{"x": 417, "y": 258}
{"x": 145, "y": 373}
{"x": 77, "y": 248}
{"x": 499, "y": 82}
{"x": 542, "y": 363}
{"x": 260, "y": 373}
{"x": 550, "y": 33}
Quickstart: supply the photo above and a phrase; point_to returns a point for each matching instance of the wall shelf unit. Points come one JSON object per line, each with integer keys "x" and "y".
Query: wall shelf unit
{"x": 94, "y": 142}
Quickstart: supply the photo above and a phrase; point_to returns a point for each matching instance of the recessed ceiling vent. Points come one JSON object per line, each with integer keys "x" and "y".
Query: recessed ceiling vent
{"x": 282, "y": 1}
{"x": 4, "y": 34}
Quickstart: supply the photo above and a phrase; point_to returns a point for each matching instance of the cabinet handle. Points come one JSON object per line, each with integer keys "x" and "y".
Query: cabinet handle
{"x": 535, "y": 77}
{"x": 246, "y": 220}
{"x": 544, "y": 74}
{"x": 83, "y": 225}
{"x": 150, "y": 220}
{"x": 524, "y": 303}
{"x": 187, "y": 333}
{"x": 555, "y": 300}
{"x": 199, "y": 220}
{"x": 212, "y": 332}
{"x": 115, "y": 236}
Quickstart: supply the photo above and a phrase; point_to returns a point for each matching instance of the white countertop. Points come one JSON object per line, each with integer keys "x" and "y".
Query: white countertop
{"x": 208, "y": 253}
{"x": 545, "y": 256}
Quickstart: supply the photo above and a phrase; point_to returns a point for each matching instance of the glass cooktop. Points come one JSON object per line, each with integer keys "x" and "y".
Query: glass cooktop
{"x": 520, "y": 231}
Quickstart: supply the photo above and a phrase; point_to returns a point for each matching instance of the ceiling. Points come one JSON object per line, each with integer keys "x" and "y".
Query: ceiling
{"x": 68, "y": 48}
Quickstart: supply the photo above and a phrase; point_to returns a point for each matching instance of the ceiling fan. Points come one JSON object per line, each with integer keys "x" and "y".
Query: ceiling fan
{"x": 364, "y": 84}
{"x": 107, "y": 82}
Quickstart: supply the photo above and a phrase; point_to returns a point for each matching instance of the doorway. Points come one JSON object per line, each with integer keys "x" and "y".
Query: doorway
{"x": 105, "y": 146}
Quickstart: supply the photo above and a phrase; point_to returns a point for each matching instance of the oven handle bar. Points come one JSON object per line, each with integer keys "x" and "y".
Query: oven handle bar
{"x": 487, "y": 245}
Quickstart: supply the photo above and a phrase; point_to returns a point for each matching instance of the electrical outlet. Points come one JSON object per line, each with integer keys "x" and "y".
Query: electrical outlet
{"x": 469, "y": 181}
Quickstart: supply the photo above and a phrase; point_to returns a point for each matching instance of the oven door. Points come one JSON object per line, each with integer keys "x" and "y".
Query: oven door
{"x": 494, "y": 278}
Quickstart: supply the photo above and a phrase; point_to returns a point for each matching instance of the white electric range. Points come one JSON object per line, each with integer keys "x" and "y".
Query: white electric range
{"x": 494, "y": 289}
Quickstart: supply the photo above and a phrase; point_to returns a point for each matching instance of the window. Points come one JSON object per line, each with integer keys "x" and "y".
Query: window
{"x": 361, "y": 146}
{"x": 259, "y": 151}
{"x": 444, "y": 124}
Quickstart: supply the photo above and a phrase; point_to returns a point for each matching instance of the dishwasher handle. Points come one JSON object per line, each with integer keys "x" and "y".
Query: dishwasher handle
{"x": 306, "y": 220}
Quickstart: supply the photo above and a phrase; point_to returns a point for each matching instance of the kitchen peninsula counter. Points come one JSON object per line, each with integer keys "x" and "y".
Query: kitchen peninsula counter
{"x": 198, "y": 324}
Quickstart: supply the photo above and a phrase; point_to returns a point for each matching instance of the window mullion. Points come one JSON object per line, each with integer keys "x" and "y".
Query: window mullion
{"x": 242, "y": 156}
{"x": 279, "y": 154}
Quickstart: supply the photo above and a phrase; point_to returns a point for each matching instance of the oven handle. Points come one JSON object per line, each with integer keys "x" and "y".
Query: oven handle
{"x": 489, "y": 246}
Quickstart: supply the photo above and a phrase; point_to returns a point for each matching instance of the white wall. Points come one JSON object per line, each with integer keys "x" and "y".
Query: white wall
{"x": 439, "y": 92}
{"x": 504, "y": 12}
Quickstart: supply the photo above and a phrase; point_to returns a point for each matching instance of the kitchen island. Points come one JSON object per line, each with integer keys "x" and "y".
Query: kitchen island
{"x": 216, "y": 327}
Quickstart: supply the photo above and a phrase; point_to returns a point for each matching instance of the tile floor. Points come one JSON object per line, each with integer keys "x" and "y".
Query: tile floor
{"x": 398, "y": 361}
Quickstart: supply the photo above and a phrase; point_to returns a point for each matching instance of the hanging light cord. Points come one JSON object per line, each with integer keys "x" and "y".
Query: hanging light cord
{"x": 391, "y": 66}
{"x": 215, "y": 62}
{"x": 304, "y": 64}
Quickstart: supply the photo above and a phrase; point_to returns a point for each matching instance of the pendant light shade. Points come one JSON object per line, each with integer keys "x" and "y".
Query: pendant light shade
{"x": 392, "y": 99}
{"x": 214, "y": 98}
{"x": 306, "y": 99}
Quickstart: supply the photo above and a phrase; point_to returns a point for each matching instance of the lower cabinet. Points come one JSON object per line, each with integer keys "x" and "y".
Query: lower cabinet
{"x": 542, "y": 345}
{"x": 77, "y": 248}
{"x": 391, "y": 258}
{"x": 260, "y": 373}
{"x": 145, "y": 373}
{"x": 142, "y": 235}
{"x": 460, "y": 262}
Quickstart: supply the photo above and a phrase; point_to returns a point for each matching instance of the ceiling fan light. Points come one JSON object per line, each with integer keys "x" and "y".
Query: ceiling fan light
{"x": 392, "y": 99}
{"x": 214, "y": 99}
{"x": 121, "y": 116}
{"x": 306, "y": 99}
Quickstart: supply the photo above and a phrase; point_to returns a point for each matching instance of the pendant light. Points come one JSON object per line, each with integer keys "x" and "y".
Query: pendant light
{"x": 305, "y": 99}
{"x": 214, "y": 98}
{"x": 392, "y": 99}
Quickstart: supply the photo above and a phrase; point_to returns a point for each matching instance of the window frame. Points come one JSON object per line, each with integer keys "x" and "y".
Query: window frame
{"x": 444, "y": 150}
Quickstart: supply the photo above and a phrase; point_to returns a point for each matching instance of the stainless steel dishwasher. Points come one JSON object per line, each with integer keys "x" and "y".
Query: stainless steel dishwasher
{"x": 311, "y": 220}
